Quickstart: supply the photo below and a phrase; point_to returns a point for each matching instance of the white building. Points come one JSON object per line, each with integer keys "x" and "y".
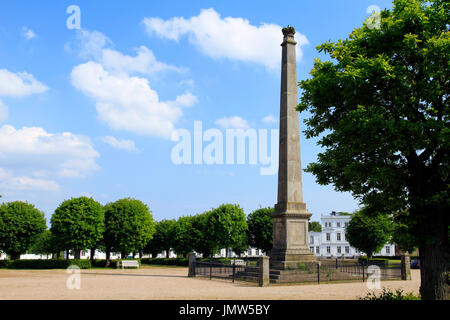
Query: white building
{"x": 331, "y": 242}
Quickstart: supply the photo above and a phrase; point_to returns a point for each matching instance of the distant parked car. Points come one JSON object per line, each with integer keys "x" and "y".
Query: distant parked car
{"x": 415, "y": 263}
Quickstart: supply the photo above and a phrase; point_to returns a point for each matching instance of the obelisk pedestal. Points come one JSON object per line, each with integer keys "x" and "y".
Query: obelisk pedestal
{"x": 290, "y": 219}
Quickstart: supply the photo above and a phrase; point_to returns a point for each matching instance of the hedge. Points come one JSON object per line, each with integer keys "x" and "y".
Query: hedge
{"x": 378, "y": 261}
{"x": 44, "y": 264}
{"x": 101, "y": 263}
{"x": 184, "y": 262}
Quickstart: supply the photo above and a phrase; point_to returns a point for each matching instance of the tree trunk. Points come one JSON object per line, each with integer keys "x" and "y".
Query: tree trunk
{"x": 140, "y": 254}
{"x": 67, "y": 254}
{"x": 92, "y": 254}
{"x": 406, "y": 266}
{"x": 434, "y": 271}
{"x": 77, "y": 254}
{"x": 108, "y": 257}
{"x": 167, "y": 253}
{"x": 123, "y": 255}
{"x": 15, "y": 256}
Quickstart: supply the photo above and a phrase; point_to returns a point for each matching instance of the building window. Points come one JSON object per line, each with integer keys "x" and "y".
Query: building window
{"x": 249, "y": 252}
{"x": 317, "y": 250}
{"x": 338, "y": 249}
{"x": 328, "y": 249}
{"x": 338, "y": 224}
{"x": 257, "y": 252}
{"x": 311, "y": 249}
{"x": 311, "y": 239}
{"x": 338, "y": 236}
{"x": 388, "y": 250}
{"x": 328, "y": 236}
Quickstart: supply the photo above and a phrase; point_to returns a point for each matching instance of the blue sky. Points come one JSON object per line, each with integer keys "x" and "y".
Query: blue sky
{"x": 90, "y": 111}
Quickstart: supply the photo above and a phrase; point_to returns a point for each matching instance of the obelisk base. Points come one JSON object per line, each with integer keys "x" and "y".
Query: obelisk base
{"x": 290, "y": 228}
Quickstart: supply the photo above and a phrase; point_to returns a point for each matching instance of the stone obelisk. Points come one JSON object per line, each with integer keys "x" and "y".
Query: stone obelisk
{"x": 290, "y": 219}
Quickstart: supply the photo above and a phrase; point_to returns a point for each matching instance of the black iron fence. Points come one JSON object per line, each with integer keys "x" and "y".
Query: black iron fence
{"x": 341, "y": 270}
{"x": 233, "y": 270}
{"x": 314, "y": 272}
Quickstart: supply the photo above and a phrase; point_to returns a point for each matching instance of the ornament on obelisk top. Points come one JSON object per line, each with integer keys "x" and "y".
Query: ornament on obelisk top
{"x": 290, "y": 219}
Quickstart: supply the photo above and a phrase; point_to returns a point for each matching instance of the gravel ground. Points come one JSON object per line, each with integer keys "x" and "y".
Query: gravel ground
{"x": 170, "y": 283}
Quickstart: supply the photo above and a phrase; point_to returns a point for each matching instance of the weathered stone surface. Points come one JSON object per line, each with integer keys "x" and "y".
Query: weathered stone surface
{"x": 290, "y": 219}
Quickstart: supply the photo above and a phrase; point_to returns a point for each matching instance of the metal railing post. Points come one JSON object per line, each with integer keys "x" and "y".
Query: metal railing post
{"x": 318, "y": 272}
{"x": 363, "y": 270}
{"x": 210, "y": 269}
{"x": 234, "y": 268}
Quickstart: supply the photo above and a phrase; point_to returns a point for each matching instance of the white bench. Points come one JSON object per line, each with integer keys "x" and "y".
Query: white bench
{"x": 130, "y": 263}
{"x": 238, "y": 262}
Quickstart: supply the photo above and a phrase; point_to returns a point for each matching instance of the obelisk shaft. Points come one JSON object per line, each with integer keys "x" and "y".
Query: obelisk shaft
{"x": 289, "y": 174}
{"x": 290, "y": 219}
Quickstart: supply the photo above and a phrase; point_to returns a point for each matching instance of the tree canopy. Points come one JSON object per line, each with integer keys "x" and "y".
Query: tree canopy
{"x": 20, "y": 224}
{"x": 129, "y": 226}
{"x": 78, "y": 224}
{"x": 184, "y": 235}
{"x": 368, "y": 233}
{"x": 381, "y": 112}
{"x": 227, "y": 228}
{"x": 260, "y": 229}
{"x": 315, "y": 226}
{"x": 163, "y": 238}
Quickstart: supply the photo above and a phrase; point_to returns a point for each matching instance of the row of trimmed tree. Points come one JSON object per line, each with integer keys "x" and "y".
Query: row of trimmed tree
{"x": 127, "y": 226}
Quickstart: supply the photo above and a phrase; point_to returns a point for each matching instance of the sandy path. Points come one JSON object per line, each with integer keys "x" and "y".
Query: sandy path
{"x": 169, "y": 283}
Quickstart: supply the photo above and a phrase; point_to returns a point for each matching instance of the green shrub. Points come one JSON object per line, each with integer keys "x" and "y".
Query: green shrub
{"x": 44, "y": 264}
{"x": 387, "y": 294}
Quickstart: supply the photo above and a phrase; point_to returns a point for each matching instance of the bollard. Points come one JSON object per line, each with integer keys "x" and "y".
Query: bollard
{"x": 264, "y": 271}
{"x": 191, "y": 272}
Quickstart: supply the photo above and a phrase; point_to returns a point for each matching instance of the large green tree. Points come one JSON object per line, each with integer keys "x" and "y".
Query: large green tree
{"x": 380, "y": 109}
{"x": 227, "y": 228}
{"x": 203, "y": 243}
{"x": 368, "y": 233}
{"x": 163, "y": 238}
{"x": 184, "y": 235}
{"x": 260, "y": 229}
{"x": 129, "y": 226}
{"x": 20, "y": 224}
{"x": 78, "y": 224}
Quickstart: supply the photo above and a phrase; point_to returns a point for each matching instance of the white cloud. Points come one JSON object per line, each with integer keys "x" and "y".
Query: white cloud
{"x": 3, "y": 112}
{"x": 144, "y": 62}
{"x": 28, "y": 33}
{"x": 91, "y": 43}
{"x": 33, "y": 151}
{"x": 270, "y": 119}
{"x": 232, "y": 123}
{"x": 10, "y": 182}
{"x": 95, "y": 46}
{"x": 233, "y": 38}
{"x": 123, "y": 100}
{"x": 128, "y": 103}
{"x": 123, "y": 144}
{"x": 19, "y": 84}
